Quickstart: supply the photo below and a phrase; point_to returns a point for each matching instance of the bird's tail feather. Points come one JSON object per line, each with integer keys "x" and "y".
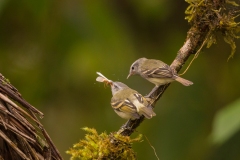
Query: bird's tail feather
{"x": 147, "y": 112}
{"x": 184, "y": 81}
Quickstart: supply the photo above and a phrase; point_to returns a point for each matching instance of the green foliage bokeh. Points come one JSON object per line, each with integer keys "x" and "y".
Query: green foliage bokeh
{"x": 51, "y": 51}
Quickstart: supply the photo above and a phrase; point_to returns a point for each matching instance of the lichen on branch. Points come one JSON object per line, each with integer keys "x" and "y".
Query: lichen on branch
{"x": 218, "y": 16}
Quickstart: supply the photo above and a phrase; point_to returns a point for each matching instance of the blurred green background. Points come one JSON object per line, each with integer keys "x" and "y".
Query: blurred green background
{"x": 51, "y": 50}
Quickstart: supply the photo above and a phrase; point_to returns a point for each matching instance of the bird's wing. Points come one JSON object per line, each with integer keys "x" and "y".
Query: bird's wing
{"x": 160, "y": 72}
{"x": 124, "y": 106}
{"x": 144, "y": 108}
{"x": 139, "y": 97}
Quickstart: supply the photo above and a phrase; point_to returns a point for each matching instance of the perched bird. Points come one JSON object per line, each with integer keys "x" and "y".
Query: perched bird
{"x": 126, "y": 102}
{"x": 156, "y": 71}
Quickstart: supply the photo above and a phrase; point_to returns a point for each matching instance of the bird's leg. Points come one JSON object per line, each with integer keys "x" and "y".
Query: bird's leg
{"x": 153, "y": 90}
{"x": 126, "y": 125}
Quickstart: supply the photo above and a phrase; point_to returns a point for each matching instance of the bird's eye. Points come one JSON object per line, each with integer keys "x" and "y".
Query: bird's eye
{"x": 132, "y": 68}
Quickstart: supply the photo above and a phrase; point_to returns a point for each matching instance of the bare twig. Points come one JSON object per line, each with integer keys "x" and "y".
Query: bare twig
{"x": 152, "y": 147}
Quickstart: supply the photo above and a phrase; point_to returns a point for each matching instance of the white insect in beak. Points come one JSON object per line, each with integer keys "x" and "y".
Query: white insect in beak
{"x": 102, "y": 78}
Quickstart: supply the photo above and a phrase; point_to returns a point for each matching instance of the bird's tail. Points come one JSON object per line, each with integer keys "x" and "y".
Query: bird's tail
{"x": 147, "y": 112}
{"x": 184, "y": 81}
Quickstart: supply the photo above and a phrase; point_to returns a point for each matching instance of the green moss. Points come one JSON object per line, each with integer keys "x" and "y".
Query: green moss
{"x": 216, "y": 16}
{"x": 5, "y": 80}
{"x": 103, "y": 146}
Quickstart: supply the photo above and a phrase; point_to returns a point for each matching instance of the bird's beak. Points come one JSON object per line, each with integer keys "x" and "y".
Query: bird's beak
{"x": 129, "y": 75}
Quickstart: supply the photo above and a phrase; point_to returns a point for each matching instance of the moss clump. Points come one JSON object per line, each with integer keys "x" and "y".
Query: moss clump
{"x": 217, "y": 15}
{"x": 103, "y": 146}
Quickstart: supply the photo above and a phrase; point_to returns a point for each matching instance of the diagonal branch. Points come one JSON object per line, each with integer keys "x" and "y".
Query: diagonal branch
{"x": 183, "y": 54}
{"x": 196, "y": 38}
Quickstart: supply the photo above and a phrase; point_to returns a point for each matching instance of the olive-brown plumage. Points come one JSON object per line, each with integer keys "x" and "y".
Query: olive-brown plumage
{"x": 156, "y": 71}
{"x": 126, "y": 102}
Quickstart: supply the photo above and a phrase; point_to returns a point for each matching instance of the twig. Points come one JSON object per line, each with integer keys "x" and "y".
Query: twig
{"x": 152, "y": 147}
{"x": 196, "y": 54}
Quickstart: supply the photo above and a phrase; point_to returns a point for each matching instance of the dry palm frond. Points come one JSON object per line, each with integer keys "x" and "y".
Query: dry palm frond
{"x": 22, "y": 136}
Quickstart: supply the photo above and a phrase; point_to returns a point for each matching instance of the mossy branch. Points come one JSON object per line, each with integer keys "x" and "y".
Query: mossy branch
{"x": 206, "y": 18}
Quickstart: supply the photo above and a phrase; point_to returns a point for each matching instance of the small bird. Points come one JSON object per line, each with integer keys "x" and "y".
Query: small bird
{"x": 126, "y": 102}
{"x": 156, "y": 71}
